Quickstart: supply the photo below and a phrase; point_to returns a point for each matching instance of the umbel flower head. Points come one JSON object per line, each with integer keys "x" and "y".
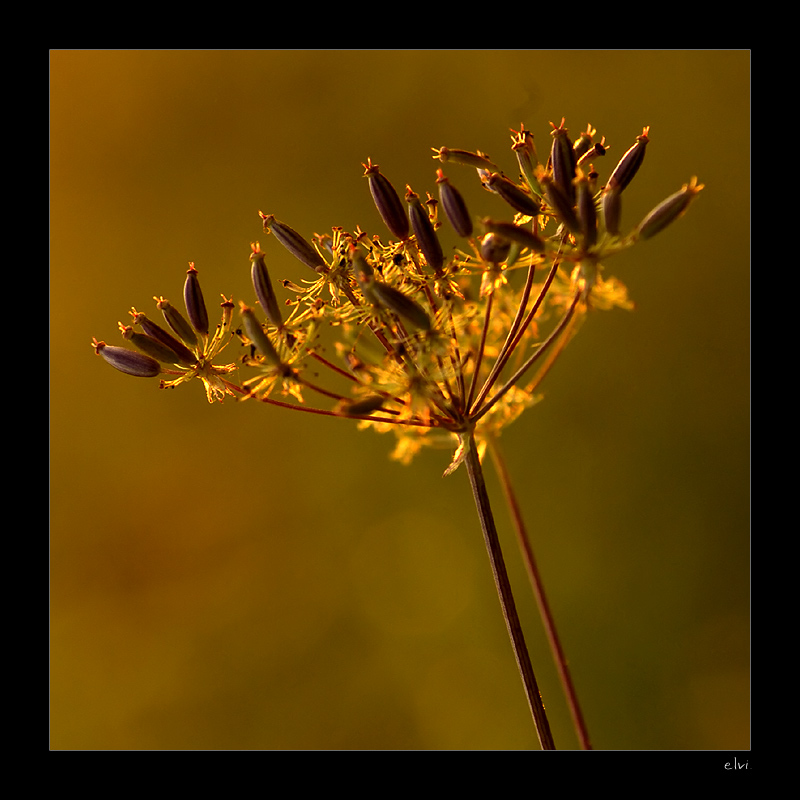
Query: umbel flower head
{"x": 438, "y": 346}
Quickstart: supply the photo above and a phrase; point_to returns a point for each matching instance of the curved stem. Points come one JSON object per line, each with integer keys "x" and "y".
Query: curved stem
{"x": 541, "y": 599}
{"x": 506, "y": 595}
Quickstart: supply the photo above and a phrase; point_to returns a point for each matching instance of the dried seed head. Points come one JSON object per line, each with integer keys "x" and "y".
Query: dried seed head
{"x": 427, "y": 240}
{"x": 182, "y": 353}
{"x": 668, "y": 210}
{"x": 629, "y": 164}
{"x": 514, "y": 233}
{"x": 302, "y": 250}
{"x": 454, "y": 206}
{"x": 195, "y": 305}
{"x": 177, "y": 322}
{"x": 259, "y": 339}
{"x": 263, "y": 287}
{"x": 387, "y": 201}
{"x": 514, "y": 195}
{"x": 128, "y": 361}
{"x": 563, "y": 161}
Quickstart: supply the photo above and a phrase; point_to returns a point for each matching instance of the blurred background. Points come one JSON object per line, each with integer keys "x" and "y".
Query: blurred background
{"x": 240, "y": 577}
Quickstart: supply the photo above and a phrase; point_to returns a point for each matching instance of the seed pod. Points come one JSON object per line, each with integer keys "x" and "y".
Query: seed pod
{"x": 365, "y": 406}
{"x": 584, "y": 142}
{"x": 494, "y": 248}
{"x": 514, "y": 195}
{"x": 401, "y": 304}
{"x": 387, "y": 201}
{"x": 149, "y": 346}
{"x": 454, "y": 206}
{"x": 182, "y": 353}
{"x": 301, "y": 249}
{"x": 177, "y": 322}
{"x": 514, "y": 233}
{"x": 629, "y": 164}
{"x": 587, "y": 215}
{"x": 611, "y": 201}
{"x": 668, "y": 210}
{"x": 128, "y": 361}
{"x": 560, "y": 205}
{"x": 195, "y": 305}
{"x": 255, "y": 333}
{"x": 527, "y": 158}
{"x": 563, "y": 161}
{"x": 263, "y": 287}
{"x": 466, "y": 158}
{"x": 426, "y": 236}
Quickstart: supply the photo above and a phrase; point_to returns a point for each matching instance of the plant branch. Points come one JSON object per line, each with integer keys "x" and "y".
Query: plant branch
{"x": 506, "y": 595}
{"x": 541, "y": 599}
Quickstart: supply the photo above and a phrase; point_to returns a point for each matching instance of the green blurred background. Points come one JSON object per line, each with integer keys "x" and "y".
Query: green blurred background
{"x": 238, "y": 577}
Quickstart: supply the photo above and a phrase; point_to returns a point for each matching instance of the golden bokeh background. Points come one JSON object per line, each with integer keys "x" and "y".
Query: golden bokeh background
{"x": 238, "y": 577}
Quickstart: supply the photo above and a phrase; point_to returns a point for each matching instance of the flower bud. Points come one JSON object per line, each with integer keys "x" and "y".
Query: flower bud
{"x": 387, "y": 201}
{"x": 454, "y": 206}
{"x": 182, "y": 353}
{"x": 514, "y": 233}
{"x": 263, "y": 287}
{"x": 629, "y": 164}
{"x": 177, "y": 322}
{"x": 668, "y": 211}
{"x": 427, "y": 240}
{"x": 563, "y": 161}
{"x": 128, "y": 361}
{"x": 259, "y": 339}
{"x": 514, "y": 195}
{"x": 195, "y": 305}
{"x": 301, "y": 249}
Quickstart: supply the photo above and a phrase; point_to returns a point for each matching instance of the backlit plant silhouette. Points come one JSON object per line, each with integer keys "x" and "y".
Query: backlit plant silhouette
{"x": 439, "y": 349}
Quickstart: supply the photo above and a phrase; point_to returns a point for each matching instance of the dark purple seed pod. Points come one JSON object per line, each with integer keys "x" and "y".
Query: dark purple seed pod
{"x": 364, "y": 407}
{"x": 611, "y": 201}
{"x": 629, "y": 164}
{"x": 494, "y": 248}
{"x": 149, "y": 346}
{"x": 182, "y": 353}
{"x": 587, "y": 214}
{"x": 421, "y": 224}
{"x": 668, "y": 210}
{"x": 195, "y": 304}
{"x": 401, "y": 304}
{"x": 514, "y": 195}
{"x": 177, "y": 322}
{"x": 257, "y": 336}
{"x": 301, "y": 249}
{"x": 387, "y": 201}
{"x": 455, "y": 208}
{"x": 563, "y": 161}
{"x": 560, "y": 205}
{"x": 128, "y": 361}
{"x": 262, "y": 284}
{"x": 514, "y": 233}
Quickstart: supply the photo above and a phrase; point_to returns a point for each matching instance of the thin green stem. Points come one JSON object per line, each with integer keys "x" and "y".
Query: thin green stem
{"x": 541, "y": 599}
{"x": 505, "y": 593}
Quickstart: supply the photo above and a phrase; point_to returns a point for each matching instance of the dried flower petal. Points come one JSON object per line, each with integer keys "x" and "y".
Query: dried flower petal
{"x": 195, "y": 305}
{"x": 427, "y": 240}
{"x": 128, "y": 361}
{"x": 668, "y": 210}
{"x": 387, "y": 201}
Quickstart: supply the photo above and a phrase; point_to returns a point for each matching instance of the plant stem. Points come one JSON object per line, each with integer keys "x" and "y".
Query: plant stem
{"x": 506, "y": 595}
{"x": 541, "y": 599}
